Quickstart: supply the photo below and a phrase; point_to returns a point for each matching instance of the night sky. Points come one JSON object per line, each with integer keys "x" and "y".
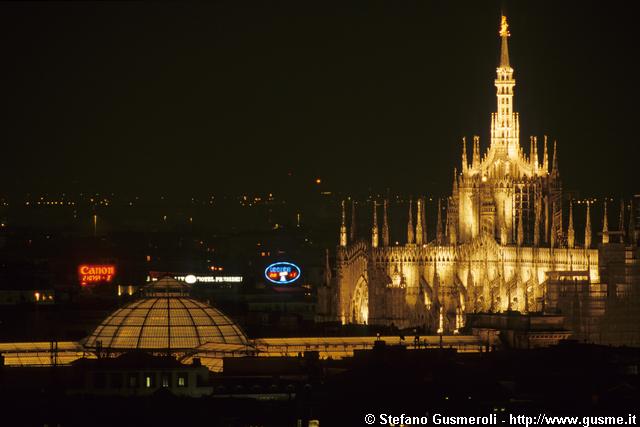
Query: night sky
{"x": 232, "y": 97}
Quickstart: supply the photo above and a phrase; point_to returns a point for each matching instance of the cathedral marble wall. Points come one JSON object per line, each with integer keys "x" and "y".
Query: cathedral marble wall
{"x": 407, "y": 285}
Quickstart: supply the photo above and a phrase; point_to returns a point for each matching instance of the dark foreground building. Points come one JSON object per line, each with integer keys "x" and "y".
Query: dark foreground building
{"x": 568, "y": 379}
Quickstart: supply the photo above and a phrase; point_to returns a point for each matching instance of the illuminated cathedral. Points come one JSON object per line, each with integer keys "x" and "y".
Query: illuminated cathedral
{"x": 499, "y": 239}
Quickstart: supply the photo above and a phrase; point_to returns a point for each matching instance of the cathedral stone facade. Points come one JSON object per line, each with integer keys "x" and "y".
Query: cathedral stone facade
{"x": 499, "y": 242}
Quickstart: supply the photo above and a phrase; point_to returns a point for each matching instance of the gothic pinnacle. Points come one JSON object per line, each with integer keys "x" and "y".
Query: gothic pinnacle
{"x": 545, "y": 157}
{"x": 419, "y": 224}
{"x": 553, "y": 225}
{"x": 327, "y": 268}
{"x": 455, "y": 180}
{"x": 374, "y": 227}
{"x": 555, "y": 169}
{"x": 465, "y": 165}
{"x": 534, "y": 154}
{"x": 632, "y": 225}
{"x": 536, "y": 223}
{"x": 571, "y": 235}
{"x": 587, "y": 229}
{"x": 343, "y": 227}
{"x": 410, "y": 223}
{"x": 476, "y": 152}
{"x": 353, "y": 221}
{"x": 423, "y": 220}
{"x": 439, "y": 223}
{"x": 621, "y": 221}
{"x": 605, "y": 224}
{"x": 385, "y": 225}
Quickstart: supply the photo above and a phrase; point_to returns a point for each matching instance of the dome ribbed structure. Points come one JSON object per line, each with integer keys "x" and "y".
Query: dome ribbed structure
{"x": 164, "y": 320}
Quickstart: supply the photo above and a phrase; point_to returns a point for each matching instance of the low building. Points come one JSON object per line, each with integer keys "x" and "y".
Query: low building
{"x": 516, "y": 330}
{"x": 139, "y": 374}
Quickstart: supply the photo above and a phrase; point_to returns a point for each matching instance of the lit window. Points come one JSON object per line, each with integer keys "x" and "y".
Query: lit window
{"x": 149, "y": 380}
{"x": 182, "y": 380}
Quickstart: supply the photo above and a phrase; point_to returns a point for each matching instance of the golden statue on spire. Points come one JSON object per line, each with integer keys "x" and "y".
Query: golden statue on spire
{"x": 504, "y": 27}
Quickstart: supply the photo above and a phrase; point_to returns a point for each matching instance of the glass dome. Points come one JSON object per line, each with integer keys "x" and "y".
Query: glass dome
{"x": 164, "y": 322}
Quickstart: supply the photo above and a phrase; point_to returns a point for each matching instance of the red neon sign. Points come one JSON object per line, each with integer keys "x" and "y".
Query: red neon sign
{"x": 90, "y": 273}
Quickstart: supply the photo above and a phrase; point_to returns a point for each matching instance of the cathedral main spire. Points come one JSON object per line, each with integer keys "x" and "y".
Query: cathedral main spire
{"x": 504, "y": 123}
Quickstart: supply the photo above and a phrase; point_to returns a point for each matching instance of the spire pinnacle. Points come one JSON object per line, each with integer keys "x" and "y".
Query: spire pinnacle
{"x": 455, "y": 180}
{"x": 385, "y": 225}
{"x": 327, "y": 268}
{"x": 552, "y": 237}
{"x": 632, "y": 225}
{"x": 504, "y": 50}
{"x": 534, "y": 154}
{"x": 353, "y": 221}
{"x": 423, "y": 220}
{"x": 374, "y": 227}
{"x": 476, "y": 152}
{"x": 555, "y": 169}
{"x": 605, "y": 224}
{"x": 587, "y": 229}
{"x": 451, "y": 224}
{"x": 410, "y": 223}
{"x": 343, "y": 227}
{"x": 465, "y": 165}
{"x": 571, "y": 235}
{"x": 536, "y": 223}
{"x": 439, "y": 236}
{"x": 621, "y": 221}
{"x": 545, "y": 159}
{"x": 419, "y": 224}
{"x": 504, "y": 27}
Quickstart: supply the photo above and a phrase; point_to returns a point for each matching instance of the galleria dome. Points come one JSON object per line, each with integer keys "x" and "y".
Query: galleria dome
{"x": 165, "y": 319}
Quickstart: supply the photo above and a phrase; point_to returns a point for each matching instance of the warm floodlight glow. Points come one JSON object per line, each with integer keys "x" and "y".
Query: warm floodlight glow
{"x": 504, "y": 27}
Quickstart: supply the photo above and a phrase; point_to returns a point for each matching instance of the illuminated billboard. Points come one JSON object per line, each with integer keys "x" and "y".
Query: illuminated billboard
{"x": 92, "y": 273}
{"x": 282, "y": 273}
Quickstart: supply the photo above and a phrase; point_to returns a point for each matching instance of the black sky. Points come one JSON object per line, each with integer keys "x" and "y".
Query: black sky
{"x": 138, "y": 97}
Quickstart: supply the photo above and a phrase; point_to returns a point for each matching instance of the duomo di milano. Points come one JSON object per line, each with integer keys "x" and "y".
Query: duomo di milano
{"x": 499, "y": 248}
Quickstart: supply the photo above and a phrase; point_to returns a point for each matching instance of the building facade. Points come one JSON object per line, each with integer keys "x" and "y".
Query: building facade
{"x": 498, "y": 244}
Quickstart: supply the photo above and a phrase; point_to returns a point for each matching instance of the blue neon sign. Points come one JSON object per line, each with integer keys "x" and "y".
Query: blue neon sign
{"x": 282, "y": 273}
